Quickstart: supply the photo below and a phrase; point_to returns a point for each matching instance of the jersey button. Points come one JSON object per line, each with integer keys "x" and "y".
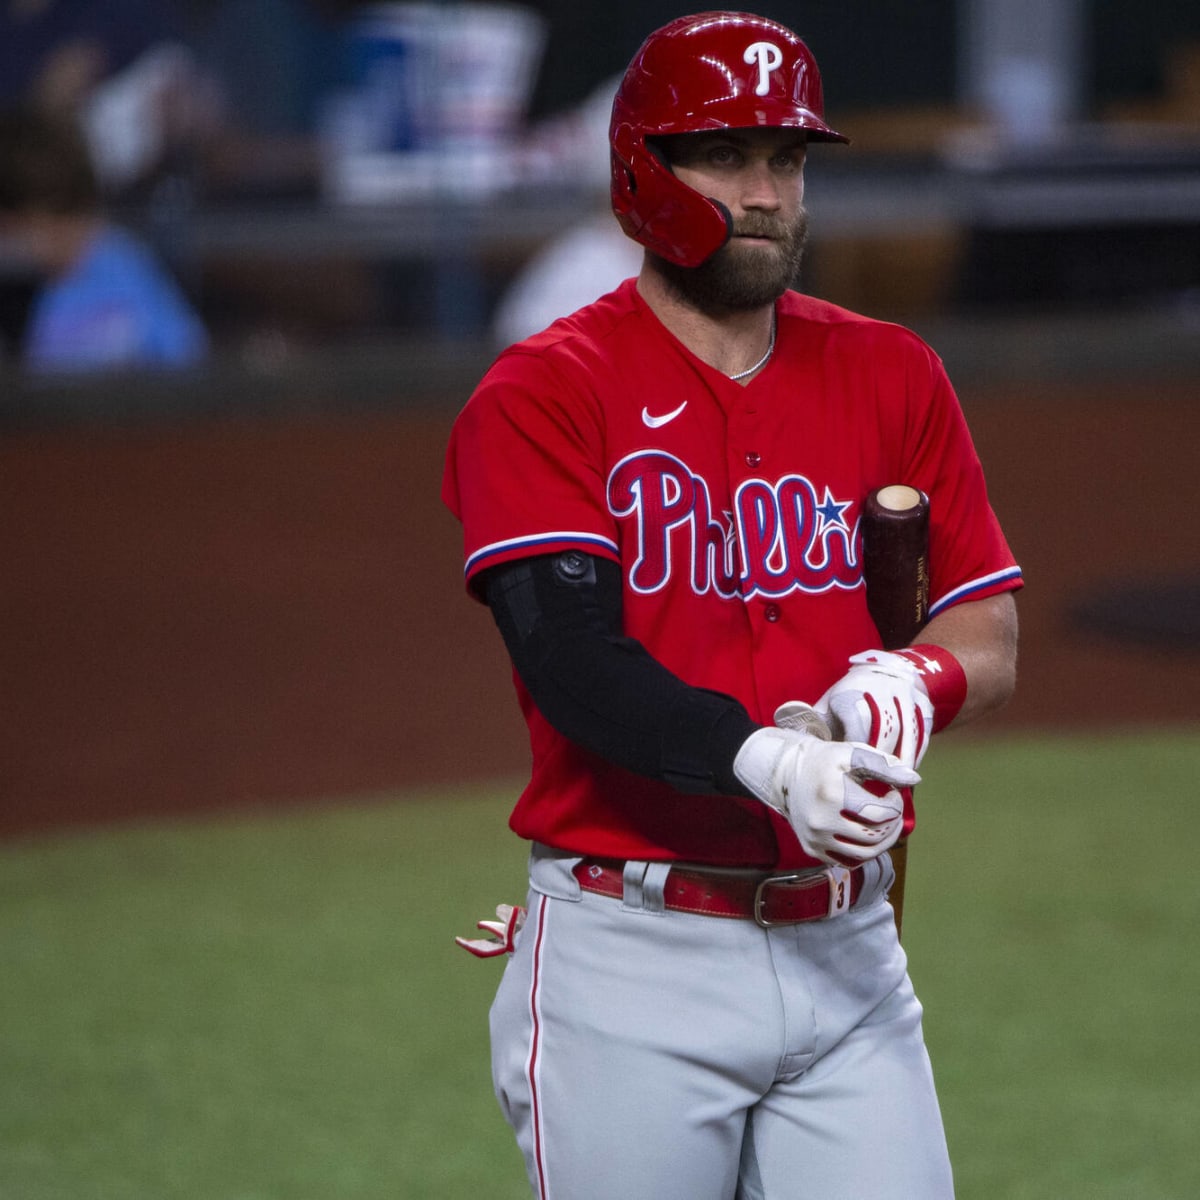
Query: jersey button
{"x": 772, "y": 613}
{"x": 753, "y": 459}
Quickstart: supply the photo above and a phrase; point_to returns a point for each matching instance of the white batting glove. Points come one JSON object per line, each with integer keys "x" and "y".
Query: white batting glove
{"x": 840, "y": 798}
{"x": 882, "y": 701}
{"x": 502, "y": 933}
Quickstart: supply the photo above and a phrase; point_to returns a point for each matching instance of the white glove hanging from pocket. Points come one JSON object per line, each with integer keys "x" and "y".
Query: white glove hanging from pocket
{"x": 502, "y": 933}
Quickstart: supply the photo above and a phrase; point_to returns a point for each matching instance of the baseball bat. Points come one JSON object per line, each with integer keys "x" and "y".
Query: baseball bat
{"x": 895, "y": 534}
{"x": 895, "y": 537}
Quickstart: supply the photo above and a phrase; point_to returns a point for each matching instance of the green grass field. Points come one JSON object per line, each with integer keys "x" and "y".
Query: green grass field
{"x": 271, "y": 1007}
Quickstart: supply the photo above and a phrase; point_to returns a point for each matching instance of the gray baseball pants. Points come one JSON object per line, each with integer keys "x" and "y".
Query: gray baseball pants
{"x": 647, "y": 1054}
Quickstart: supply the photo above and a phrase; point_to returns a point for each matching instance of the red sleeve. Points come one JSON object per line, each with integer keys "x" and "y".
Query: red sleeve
{"x": 969, "y": 555}
{"x": 524, "y": 468}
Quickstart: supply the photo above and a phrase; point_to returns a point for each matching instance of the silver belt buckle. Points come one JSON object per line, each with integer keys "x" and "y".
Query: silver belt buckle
{"x": 838, "y": 879}
{"x": 794, "y": 877}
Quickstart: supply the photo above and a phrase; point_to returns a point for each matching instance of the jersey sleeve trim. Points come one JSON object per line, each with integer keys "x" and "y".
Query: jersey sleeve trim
{"x": 998, "y": 581}
{"x": 542, "y": 543}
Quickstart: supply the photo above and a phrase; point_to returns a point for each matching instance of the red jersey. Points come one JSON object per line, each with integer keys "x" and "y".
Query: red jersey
{"x": 733, "y": 512}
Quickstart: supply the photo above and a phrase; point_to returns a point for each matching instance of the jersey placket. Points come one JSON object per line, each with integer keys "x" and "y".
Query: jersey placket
{"x": 751, "y": 458}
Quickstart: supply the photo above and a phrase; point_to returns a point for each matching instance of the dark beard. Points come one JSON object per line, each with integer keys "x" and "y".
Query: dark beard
{"x": 735, "y": 279}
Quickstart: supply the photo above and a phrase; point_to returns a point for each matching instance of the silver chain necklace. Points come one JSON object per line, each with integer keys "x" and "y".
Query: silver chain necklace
{"x": 762, "y": 362}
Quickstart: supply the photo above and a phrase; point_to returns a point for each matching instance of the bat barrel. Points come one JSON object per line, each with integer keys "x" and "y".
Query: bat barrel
{"x": 895, "y": 535}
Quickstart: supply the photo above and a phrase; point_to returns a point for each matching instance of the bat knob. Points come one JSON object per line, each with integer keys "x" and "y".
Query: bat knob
{"x": 895, "y": 532}
{"x": 899, "y": 497}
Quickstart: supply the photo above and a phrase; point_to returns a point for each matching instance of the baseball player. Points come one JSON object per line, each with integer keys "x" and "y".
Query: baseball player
{"x": 660, "y": 496}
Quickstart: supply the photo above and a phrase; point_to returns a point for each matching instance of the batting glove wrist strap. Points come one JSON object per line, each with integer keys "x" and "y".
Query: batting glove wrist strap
{"x": 944, "y": 679}
{"x": 842, "y": 799}
{"x": 882, "y": 700}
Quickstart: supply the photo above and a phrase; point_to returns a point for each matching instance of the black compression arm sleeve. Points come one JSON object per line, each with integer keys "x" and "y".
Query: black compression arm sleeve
{"x": 560, "y": 617}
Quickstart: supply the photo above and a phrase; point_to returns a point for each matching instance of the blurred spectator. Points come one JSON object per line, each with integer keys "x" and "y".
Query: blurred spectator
{"x": 117, "y": 67}
{"x": 593, "y": 255}
{"x": 589, "y": 259}
{"x": 53, "y": 53}
{"x": 103, "y": 300}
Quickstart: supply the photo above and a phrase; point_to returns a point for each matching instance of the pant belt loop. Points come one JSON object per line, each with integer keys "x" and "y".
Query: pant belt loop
{"x": 654, "y": 887}
{"x": 633, "y": 897}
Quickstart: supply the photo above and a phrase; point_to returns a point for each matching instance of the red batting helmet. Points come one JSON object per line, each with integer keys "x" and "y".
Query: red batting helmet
{"x": 714, "y": 70}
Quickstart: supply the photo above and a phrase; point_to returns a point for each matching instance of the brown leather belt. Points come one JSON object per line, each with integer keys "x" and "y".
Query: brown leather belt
{"x": 768, "y": 899}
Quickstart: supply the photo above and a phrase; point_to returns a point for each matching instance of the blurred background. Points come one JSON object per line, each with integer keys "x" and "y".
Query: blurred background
{"x": 316, "y": 174}
{"x": 254, "y": 255}
{"x": 258, "y": 747}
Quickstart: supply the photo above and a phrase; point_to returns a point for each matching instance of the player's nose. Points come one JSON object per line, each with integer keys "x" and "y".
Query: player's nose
{"x": 760, "y": 187}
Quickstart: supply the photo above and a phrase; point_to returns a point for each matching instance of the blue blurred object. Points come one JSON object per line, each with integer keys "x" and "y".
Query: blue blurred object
{"x": 115, "y": 307}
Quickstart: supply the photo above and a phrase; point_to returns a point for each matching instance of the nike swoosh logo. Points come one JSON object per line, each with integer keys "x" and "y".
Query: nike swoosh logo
{"x": 658, "y": 422}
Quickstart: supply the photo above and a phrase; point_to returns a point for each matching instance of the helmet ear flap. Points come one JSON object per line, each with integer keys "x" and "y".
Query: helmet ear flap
{"x": 666, "y": 216}
{"x": 726, "y": 216}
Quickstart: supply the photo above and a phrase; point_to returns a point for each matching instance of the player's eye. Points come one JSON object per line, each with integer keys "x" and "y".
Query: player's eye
{"x": 724, "y": 156}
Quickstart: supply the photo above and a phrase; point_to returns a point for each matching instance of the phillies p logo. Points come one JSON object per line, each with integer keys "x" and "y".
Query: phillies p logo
{"x": 768, "y": 58}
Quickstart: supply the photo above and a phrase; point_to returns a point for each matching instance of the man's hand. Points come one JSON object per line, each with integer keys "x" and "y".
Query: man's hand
{"x": 881, "y": 701}
{"x": 841, "y": 798}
